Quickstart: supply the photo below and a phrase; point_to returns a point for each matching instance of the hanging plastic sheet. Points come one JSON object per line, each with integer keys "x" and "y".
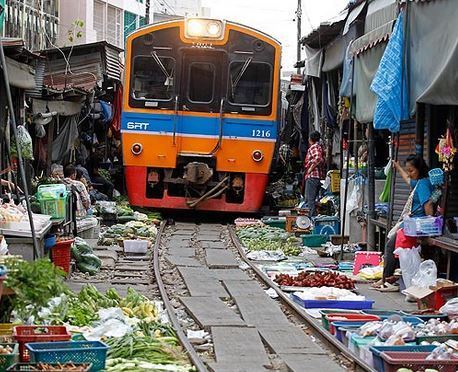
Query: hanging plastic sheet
{"x": 345, "y": 86}
{"x": 65, "y": 141}
{"x": 313, "y": 61}
{"x": 389, "y": 83}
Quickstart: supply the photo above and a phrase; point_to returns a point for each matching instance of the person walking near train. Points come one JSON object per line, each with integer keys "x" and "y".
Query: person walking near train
{"x": 314, "y": 171}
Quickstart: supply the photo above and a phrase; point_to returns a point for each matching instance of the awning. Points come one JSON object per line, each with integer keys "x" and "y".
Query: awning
{"x": 380, "y": 12}
{"x": 373, "y": 38}
{"x": 366, "y": 65}
{"x": 313, "y": 61}
{"x": 352, "y": 16}
{"x": 334, "y": 53}
{"x": 64, "y": 108}
{"x": 434, "y": 53}
{"x": 20, "y": 75}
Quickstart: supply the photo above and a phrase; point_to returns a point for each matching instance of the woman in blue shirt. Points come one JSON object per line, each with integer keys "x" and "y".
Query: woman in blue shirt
{"x": 416, "y": 176}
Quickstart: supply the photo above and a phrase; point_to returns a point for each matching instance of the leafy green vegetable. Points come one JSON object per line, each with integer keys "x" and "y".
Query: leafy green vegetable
{"x": 34, "y": 283}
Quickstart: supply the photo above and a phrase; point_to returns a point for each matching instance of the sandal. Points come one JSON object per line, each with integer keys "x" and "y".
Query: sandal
{"x": 387, "y": 287}
{"x": 376, "y": 285}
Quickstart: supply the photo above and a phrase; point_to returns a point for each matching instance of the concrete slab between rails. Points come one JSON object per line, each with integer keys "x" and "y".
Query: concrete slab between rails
{"x": 243, "y": 288}
{"x": 238, "y": 345}
{"x": 210, "y": 312}
{"x": 177, "y": 243}
{"x": 181, "y": 252}
{"x": 213, "y": 245}
{"x": 199, "y": 282}
{"x": 132, "y": 268}
{"x": 288, "y": 339}
{"x": 230, "y": 367}
{"x": 310, "y": 362}
{"x": 261, "y": 311}
{"x": 220, "y": 259}
{"x": 106, "y": 253}
{"x": 229, "y": 274}
{"x": 131, "y": 281}
{"x": 183, "y": 261}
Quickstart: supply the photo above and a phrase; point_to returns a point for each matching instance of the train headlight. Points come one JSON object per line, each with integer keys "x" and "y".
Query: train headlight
{"x": 257, "y": 155}
{"x": 204, "y": 28}
{"x": 137, "y": 149}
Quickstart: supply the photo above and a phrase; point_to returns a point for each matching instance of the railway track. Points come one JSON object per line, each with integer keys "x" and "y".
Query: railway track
{"x": 199, "y": 276}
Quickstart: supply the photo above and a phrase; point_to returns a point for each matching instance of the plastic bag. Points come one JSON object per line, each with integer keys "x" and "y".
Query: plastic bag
{"x": 24, "y": 141}
{"x": 409, "y": 261}
{"x": 426, "y": 275}
{"x": 403, "y": 241}
{"x": 451, "y": 308}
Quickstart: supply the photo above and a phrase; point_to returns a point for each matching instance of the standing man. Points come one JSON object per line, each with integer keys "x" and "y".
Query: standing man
{"x": 314, "y": 171}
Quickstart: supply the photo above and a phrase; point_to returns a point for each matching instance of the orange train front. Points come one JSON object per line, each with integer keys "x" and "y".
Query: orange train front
{"x": 200, "y": 115}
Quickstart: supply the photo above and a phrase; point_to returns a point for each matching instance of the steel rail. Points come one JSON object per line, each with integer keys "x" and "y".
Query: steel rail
{"x": 195, "y": 359}
{"x": 325, "y": 337}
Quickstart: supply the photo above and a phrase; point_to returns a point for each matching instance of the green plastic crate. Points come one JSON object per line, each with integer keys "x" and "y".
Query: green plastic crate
{"x": 314, "y": 240}
{"x": 54, "y": 207}
{"x": 7, "y": 360}
{"x": 431, "y": 339}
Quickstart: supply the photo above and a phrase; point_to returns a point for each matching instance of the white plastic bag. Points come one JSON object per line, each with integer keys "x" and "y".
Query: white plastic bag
{"x": 451, "y": 308}
{"x": 409, "y": 260}
{"x": 426, "y": 275}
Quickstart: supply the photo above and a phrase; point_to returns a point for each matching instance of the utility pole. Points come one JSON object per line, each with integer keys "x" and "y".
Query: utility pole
{"x": 147, "y": 10}
{"x": 299, "y": 21}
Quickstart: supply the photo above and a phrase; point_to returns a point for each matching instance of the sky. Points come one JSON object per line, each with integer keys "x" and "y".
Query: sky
{"x": 276, "y": 18}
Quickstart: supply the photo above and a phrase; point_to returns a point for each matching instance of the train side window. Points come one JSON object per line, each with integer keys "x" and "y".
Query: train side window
{"x": 201, "y": 84}
{"x": 152, "y": 80}
{"x": 250, "y": 83}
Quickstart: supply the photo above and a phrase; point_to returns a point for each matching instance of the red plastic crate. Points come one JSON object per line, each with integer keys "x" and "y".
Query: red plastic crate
{"x": 36, "y": 333}
{"x": 394, "y": 360}
{"x": 61, "y": 254}
{"x": 336, "y": 317}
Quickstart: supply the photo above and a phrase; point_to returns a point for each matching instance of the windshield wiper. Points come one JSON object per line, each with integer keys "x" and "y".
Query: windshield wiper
{"x": 235, "y": 82}
{"x": 169, "y": 77}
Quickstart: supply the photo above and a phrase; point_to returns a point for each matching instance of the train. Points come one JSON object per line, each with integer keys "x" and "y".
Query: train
{"x": 200, "y": 118}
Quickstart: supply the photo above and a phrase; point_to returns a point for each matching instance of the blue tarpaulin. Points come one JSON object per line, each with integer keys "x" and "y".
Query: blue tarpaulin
{"x": 389, "y": 84}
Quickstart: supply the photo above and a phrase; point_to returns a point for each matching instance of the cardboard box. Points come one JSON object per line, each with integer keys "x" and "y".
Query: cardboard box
{"x": 433, "y": 297}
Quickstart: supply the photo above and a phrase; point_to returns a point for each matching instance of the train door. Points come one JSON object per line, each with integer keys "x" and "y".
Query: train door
{"x": 201, "y": 100}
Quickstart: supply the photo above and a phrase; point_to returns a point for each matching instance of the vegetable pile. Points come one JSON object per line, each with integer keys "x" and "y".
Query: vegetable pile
{"x": 131, "y": 230}
{"x": 315, "y": 279}
{"x": 267, "y": 238}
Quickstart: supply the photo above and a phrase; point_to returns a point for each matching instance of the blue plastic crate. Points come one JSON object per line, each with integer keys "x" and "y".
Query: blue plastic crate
{"x": 333, "y": 304}
{"x": 326, "y": 225}
{"x": 378, "y": 349}
{"x": 343, "y": 327}
{"x": 423, "y": 226}
{"x": 94, "y": 352}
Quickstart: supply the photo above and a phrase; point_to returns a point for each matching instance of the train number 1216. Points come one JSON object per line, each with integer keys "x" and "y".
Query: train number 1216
{"x": 260, "y": 133}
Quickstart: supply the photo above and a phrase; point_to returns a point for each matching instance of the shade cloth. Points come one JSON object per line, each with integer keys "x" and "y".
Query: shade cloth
{"x": 434, "y": 53}
{"x": 313, "y": 61}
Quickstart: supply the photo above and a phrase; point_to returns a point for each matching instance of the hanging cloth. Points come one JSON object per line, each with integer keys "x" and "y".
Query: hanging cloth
{"x": 389, "y": 83}
{"x": 116, "y": 122}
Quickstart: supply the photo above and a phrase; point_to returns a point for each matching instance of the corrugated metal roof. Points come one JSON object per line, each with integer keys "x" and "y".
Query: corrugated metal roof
{"x": 88, "y": 64}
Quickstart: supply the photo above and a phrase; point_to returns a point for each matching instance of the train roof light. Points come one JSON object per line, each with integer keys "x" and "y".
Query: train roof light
{"x": 204, "y": 28}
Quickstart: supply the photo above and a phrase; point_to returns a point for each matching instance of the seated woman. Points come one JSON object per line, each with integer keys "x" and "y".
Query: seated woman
{"x": 416, "y": 176}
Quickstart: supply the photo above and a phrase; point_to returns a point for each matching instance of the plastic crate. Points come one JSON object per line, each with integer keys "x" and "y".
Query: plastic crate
{"x": 358, "y": 342}
{"x": 324, "y": 320}
{"x": 431, "y": 339}
{"x": 26, "y": 367}
{"x": 344, "y": 327}
{"x": 379, "y": 349}
{"x": 393, "y": 361}
{"x": 425, "y": 317}
{"x": 334, "y": 175}
{"x": 326, "y": 225}
{"x": 54, "y": 207}
{"x": 7, "y": 360}
{"x": 436, "y": 176}
{"x": 275, "y": 221}
{"x": 61, "y": 254}
{"x": 51, "y": 191}
{"x": 313, "y": 240}
{"x": 333, "y": 304}
{"x": 94, "y": 352}
{"x": 423, "y": 226}
{"x": 35, "y": 333}
{"x": 350, "y": 318}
